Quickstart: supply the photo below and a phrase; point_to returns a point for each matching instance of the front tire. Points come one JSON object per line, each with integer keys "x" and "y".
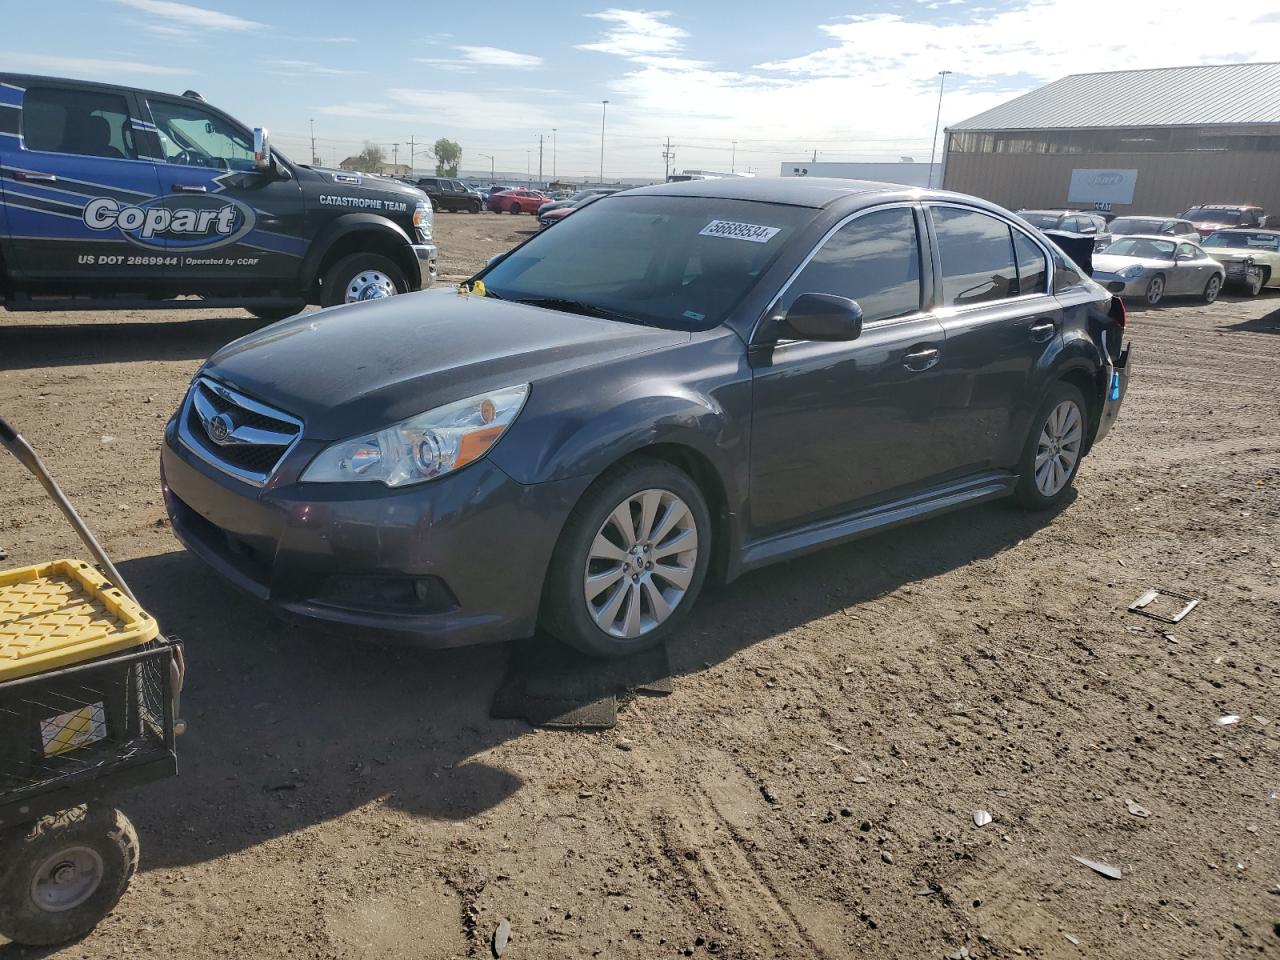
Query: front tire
{"x": 514, "y": 208}
{"x": 359, "y": 277}
{"x": 1053, "y": 450}
{"x": 1211, "y": 289}
{"x": 631, "y": 561}
{"x": 61, "y": 875}
{"x": 1256, "y": 281}
{"x": 1155, "y": 291}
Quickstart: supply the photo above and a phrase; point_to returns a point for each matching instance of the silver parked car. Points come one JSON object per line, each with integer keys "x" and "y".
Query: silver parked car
{"x": 1155, "y": 226}
{"x": 1154, "y": 267}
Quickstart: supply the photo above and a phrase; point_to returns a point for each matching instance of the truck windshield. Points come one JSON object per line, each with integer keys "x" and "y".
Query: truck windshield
{"x": 678, "y": 262}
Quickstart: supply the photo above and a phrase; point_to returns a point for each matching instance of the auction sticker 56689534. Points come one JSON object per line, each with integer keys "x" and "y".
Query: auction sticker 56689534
{"x": 751, "y": 232}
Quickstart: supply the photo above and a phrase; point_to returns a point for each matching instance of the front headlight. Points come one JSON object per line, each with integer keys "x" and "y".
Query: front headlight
{"x": 1130, "y": 273}
{"x": 423, "y": 447}
{"x": 423, "y": 218}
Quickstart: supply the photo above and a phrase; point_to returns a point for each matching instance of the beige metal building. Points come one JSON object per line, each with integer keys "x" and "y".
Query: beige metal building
{"x": 1130, "y": 141}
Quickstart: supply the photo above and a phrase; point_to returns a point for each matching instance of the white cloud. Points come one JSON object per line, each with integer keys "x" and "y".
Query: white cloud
{"x": 305, "y": 68}
{"x": 191, "y": 17}
{"x": 445, "y": 109}
{"x": 86, "y": 68}
{"x": 637, "y": 33}
{"x": 473, "y": 57}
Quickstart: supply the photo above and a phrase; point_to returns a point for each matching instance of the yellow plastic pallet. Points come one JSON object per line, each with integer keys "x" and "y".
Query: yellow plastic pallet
{"x": 64, "y": 612}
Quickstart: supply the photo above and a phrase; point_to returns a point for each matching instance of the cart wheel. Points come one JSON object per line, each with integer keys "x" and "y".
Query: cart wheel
{"x": 64, "y": 873}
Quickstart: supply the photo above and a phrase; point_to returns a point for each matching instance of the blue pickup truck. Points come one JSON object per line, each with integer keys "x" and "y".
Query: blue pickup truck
{"x": 113, "y": 197}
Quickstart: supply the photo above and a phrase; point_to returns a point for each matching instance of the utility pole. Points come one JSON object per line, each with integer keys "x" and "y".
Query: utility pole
{"x": 540, "y": 136}
{"x": 733, "y": 158}
{"x": 667, "y": 156}
{"x": 528, "y": 166}
{"x": 411, "y": 155}
{"x": 933, "y": 148}
{"x": 815, "y": 155}
{"x": 553, "y": 153}
{"x": 604, "y": 109}
{"x": 490, "y": 159}
{"x": 395, "y": 155}
{"x": 315, "y": 160}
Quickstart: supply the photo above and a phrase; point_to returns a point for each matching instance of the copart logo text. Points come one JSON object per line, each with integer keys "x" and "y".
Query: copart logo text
{"x": 186, "y": 223}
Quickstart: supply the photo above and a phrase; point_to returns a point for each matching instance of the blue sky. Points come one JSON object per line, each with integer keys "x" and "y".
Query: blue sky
{"x": 854, "y": 81}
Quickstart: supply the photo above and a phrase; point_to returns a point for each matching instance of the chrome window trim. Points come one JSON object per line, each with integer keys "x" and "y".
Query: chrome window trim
{"x": 189, "y": 441}
{"x": 822, "y": 242}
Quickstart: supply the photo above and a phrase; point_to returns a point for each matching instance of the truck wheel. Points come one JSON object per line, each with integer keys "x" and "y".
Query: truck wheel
{"x": 630, "y": 562}
{"x": 64, "y": 873}
{"x": 361, "y": 276}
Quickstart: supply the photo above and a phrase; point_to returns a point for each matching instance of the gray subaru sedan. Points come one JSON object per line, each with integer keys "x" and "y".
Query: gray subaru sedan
{"x": 681, "y": 381}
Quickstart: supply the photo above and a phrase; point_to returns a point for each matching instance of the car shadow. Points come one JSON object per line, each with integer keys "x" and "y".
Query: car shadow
{"x": 289, "y": 726}
{"x": 1267, "y": 323}
{"x": 28, "y": 345}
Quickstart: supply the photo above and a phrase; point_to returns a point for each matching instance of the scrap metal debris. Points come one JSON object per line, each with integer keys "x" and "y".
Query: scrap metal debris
{"x": 1143, "y": 605}
{"x": 1228, "y": 720}
{"x": 1072, "y": 939}
{"x": 1106, "y": 869}
{"x": 981, "y": 818}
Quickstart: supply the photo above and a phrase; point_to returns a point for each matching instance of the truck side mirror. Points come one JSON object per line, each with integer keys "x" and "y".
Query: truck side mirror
{"x": 261, "y": 149}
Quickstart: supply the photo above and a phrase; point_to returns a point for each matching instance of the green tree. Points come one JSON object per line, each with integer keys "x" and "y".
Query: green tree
{"x": 371, "y": 158}
{"x": 448, "y": 155}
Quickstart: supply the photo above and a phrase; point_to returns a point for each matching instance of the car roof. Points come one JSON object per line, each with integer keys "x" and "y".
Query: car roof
{"x": 1267, "y": 230}
{"x": 1224, "y": 206}
{"x": 813, "y": 192}
{"x": 1150, "y": 236}
{"x": 32, "y": 79}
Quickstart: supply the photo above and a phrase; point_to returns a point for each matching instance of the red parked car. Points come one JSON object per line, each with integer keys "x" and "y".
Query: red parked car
{"x": 519, "y": 200}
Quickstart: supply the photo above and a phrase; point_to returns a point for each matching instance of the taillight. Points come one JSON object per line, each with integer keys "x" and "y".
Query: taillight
{"x": 1118, "y": 314}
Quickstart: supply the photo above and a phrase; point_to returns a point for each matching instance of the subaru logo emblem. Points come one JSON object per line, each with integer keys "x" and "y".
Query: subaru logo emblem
{"x": 220, "y": 428}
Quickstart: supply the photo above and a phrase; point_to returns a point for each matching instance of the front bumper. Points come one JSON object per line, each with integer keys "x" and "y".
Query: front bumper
{"x": 452, "y": 562}
{"x": 1114, "y": 283}
{"x": 428, "y": 255}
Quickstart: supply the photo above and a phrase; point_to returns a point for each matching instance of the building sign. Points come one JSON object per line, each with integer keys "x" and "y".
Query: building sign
{"x": 1102, "y": 186}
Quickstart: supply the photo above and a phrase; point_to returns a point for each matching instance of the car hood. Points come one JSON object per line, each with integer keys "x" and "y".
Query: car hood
{"x": 1239, "y": 253}
{"x": 363, "y": 366}
{"x": 1111, "y": 263}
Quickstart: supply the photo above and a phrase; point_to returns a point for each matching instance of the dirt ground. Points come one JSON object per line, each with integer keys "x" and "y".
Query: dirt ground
{"x": 809, "y": 789}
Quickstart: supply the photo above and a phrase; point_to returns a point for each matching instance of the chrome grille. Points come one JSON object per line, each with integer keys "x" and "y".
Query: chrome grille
{"x": 234, "y": 433}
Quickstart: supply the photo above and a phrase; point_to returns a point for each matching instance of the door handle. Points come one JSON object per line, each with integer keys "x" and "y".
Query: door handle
{"x": 34, "y": 177}
{"x": 190, "y": 188}
{"x": 1042, "y": 330}
{"x": 920, "y": 360}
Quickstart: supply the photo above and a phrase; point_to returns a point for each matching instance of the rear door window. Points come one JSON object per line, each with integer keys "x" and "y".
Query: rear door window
{"x": 1033, "y": 268}
{"x": 874, "y": 260}
{"x": 88, "y": 123}
{"x": 978, "y": 263}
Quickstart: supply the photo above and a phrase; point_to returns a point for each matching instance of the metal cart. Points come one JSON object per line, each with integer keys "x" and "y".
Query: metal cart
{"x": 88, "y": 705}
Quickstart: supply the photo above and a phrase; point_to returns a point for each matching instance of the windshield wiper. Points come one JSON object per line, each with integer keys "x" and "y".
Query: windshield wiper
{"x": 580, "y": 307}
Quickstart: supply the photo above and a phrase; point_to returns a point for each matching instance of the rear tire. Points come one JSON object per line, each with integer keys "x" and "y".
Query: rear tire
{"x": 349, "y": 277}
{"x": 645, "y": 582}
{"x": 61, "y": 875}
{"x": 1054, "y": 449}
{"x": 514, "y": 208}
{"x": 1212, "y": 287}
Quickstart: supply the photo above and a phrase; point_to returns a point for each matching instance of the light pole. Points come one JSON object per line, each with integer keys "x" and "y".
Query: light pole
{"x": 604, "y": 109}
{"x": 933, "y": 148}
{"x": 490, "y": 159}
{"x": 553, "y": 153}
{"x": 528, "y": 166}
{"x": 733, "y": 158}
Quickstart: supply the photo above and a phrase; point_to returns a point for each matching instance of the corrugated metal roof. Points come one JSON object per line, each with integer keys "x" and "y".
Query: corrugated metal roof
{"x": 1169, "y": 96}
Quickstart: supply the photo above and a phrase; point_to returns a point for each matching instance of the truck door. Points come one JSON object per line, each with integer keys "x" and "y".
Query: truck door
{"x": 76, "y": 189}
{"x": 232, "y": 229}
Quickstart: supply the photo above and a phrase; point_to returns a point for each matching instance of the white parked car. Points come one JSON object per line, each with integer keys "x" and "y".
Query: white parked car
{"x": 1251, "y": 257}
{"x": 1153, "y": 268}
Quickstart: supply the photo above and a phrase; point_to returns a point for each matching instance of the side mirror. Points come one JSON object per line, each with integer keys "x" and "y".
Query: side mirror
{"x": 261, "y": 149}
{"x": 822, "y": 316}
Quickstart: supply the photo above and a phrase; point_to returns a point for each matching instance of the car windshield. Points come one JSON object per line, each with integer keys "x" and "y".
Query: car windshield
{"x": 1142, "y": 247}
{"x": 1044, "y": 221}
{"x": 1137, "y": 225}
{"x": 1244, "y": 238}
{"x": 678, "y": 262}
{"x": 1213, "y": 215}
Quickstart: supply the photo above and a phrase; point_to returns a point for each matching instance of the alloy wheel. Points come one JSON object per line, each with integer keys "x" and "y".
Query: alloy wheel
{"x": 369, "y": 285}
{"x": 1212, "y": 289}
{"x": 641, "y": 563}
{"x": 1058, "y": 448}
{"x": 1155, "y": 290}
